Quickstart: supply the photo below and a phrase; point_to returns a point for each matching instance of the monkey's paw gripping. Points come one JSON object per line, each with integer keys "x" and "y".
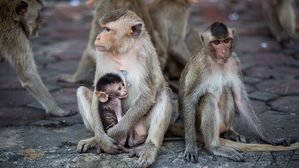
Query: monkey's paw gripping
{"x": 108, "y": 144}
{"x": 147, "y": 155}
{"x": 227, "y": 152}
{"x": 84, "y": 145}
{"x": 191, "y": 154}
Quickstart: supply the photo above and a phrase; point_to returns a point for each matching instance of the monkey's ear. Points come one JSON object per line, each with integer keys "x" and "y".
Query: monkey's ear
{"x": 136, "y": 29}
{"x": 103, "y": 97}
{"x": 21, "y": 8}
{"x": 233, "y": 31}
{"x": 202, "y": 39}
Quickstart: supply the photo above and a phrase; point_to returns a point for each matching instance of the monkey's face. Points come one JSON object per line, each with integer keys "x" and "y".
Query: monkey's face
{"x": 106, "y": 39}
{"x": 222, "y": 49}
{"x": 121, "y": 90}
{"x": 118, "y": 36}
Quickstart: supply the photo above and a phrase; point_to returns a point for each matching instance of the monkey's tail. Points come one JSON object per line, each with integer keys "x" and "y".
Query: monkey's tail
{"x": 178, "y": 130}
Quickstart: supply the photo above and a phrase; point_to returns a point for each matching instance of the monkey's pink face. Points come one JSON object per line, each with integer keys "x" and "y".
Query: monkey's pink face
{"x": 105, "y": 40}
{"x": 223, "y": 49}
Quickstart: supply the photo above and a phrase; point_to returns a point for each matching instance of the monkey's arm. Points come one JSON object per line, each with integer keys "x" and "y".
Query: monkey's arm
{"x": 187, "y": 102}
{"x": 142, "y": 105}
{"x": 244, "y": 107}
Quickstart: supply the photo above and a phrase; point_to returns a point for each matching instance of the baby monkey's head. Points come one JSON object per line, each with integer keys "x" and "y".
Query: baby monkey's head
{"x": 110, "y": 86}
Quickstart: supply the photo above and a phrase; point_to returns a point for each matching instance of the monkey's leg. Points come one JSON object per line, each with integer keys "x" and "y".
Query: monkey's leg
{"x": 87, "y": 58}
{"x": 26, "y": 70}
{"x": 210, "y": 125}
{"x": 287, "y": 18}
{"x": 272, "y": 20}
{"x": 84, "y": 97}
{"x": 180, "y": 52}
{"x": 161, "y": 51}
{"x": 159, "y": 119}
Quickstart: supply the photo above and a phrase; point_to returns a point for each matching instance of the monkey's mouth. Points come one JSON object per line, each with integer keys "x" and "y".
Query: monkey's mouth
{"x": 100, "y": 47}
{"x": 123, "y": 96}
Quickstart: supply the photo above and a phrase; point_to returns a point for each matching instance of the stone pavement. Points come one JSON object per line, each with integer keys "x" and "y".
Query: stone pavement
{"x": 27, "y": 140}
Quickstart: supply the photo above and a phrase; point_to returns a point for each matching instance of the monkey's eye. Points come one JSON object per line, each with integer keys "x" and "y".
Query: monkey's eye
{"x": 106, "y": 29}
{"x": 119, "y": 88}
{"x": 226, "y": 41}
{"x": 216, "y": 42}
{"x": 123, "y": 84}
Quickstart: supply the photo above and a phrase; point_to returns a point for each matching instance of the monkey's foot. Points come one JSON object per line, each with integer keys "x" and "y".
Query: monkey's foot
{"x": 86, "y": 144}
{"x": 147, "y": 155}
{"x": 68, "y": 78}
{"x": 58, "y": 112}
{"x": 232, "y": 135}
{"x": 227, "y": 152}
{"x": 191, "y": 154}
{"x": 280, "y": 141}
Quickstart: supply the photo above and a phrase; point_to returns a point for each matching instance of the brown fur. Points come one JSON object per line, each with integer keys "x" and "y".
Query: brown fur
{"x": 102, "y": 7}
{"x": 170, "y": 20}
{"x": 210, "y": 89}
{"x": 281, "y": 19}
{"x": 19, "y": 21}
{"x": 148, "y": 103}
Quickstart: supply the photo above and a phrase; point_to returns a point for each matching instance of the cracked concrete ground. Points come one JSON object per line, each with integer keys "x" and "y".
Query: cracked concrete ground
{"x": 271, "y": 75}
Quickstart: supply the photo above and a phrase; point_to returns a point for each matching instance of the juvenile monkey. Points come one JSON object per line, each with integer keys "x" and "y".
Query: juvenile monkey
{"x": 281, "y": 18}
{"x": 125, "y": 46}
{"x": 20, "y": 19}
{"x": 210, "y": 89}
{"x": 102, "y": 7}
{"x": 170, "y": 20}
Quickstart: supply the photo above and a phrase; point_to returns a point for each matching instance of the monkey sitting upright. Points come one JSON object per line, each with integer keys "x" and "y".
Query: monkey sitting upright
{"x": 210, "y": 89}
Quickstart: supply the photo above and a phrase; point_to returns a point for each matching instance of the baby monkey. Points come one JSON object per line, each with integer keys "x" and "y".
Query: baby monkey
{"x": 110, "y": 89}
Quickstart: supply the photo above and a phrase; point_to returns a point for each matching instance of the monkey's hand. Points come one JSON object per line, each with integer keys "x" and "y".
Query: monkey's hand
{"x": 107, "y": 144}
{"x": 117, "y": 132}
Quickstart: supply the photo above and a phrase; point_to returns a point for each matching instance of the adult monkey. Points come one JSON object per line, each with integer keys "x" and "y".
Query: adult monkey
{"x": 124, "y": 47}
{"x": 170, "y": 20}
{"x": 210, "y": 89}
{"x": 20, "y": 19}
{"x": 281, "y": 19}
{"x": 102, "y": 7}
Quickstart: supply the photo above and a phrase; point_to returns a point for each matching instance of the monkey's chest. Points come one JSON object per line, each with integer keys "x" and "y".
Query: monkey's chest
{"x": 216, "y": 84}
